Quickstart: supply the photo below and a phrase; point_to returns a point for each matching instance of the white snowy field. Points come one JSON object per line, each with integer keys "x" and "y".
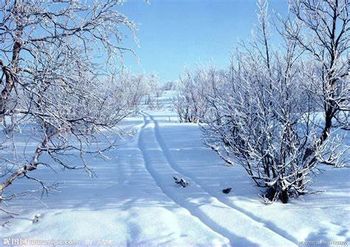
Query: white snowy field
{"x": 133, "y": 200}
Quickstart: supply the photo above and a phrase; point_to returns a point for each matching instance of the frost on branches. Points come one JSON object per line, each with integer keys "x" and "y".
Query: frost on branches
{"x": 191, "y": 103}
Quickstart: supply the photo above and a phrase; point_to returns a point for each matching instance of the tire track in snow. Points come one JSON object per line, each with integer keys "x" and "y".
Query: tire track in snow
{"x": 166, "y": 189}
{"x": 272, "y": 229}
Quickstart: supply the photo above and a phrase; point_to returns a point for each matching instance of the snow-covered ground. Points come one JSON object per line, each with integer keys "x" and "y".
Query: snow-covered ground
{"x": 133, "y": 200}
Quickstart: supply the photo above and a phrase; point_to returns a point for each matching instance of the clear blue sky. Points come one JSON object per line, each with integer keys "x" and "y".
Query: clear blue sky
{"x": 178, "y": 34}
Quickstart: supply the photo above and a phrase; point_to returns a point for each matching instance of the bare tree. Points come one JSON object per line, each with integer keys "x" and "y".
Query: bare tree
{"x": 259, "y": 122}
{"x": 53, "y": 85}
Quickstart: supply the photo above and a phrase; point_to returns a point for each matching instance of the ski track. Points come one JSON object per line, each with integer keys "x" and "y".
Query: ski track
{"x": 212, "y": 225}
{"x": 259, "y": 224}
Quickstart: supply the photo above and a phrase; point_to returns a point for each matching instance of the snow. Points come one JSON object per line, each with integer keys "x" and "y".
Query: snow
{"x": 133, "y": 200}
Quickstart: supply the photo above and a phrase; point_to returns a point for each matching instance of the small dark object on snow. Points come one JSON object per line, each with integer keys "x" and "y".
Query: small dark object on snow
{"x": 36, "y": 218}
{"x": 181, "y": 181}
{"x": 227, "y": 190}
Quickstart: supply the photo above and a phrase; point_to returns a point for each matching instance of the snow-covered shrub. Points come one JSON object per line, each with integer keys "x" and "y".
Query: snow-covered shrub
{"x": 265, "y": 122}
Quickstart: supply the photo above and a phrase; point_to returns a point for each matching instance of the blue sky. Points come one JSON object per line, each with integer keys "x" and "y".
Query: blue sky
{"x": 175, "y": 35}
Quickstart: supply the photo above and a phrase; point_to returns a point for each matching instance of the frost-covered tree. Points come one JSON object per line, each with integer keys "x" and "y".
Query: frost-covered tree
{"x": 53, "y": 85}
{"x": 259, "y": 119}
{"x": 140, "y": 89}
{"x": 194, "y": 86}
{"x": 153, "y": 92}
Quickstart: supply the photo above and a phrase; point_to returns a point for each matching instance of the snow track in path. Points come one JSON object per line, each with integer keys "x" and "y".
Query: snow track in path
{"x": 244, "y": 213}
{"x": 169, "y": 191}
{"x": 235, "y": 225}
